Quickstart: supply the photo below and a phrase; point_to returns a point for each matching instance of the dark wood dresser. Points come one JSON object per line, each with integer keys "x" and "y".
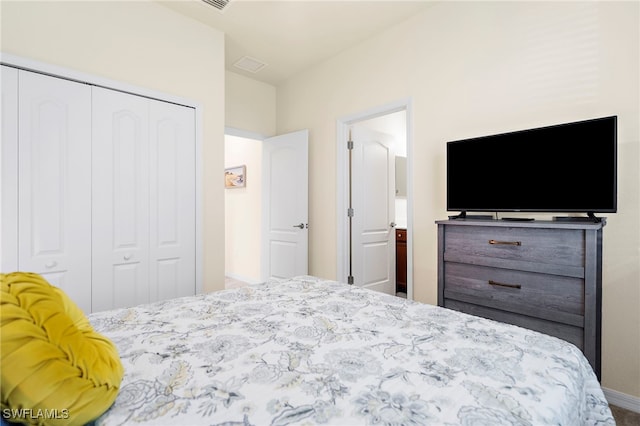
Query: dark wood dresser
{"x": 401, "y": 261}
{"x": 541, "y": 275}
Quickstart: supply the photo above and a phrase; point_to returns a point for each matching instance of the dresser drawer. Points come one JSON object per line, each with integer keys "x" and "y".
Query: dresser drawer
{"x": 570, "y": 333}
{"x": 549, "y": 246}
{"x": 401, "y": 235}
{"x": 551, "y": 296}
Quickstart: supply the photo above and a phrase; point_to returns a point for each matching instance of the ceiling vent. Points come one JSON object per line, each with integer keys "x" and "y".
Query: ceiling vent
{"x": 249, "y": 64}
{"x": 218, "y": 4}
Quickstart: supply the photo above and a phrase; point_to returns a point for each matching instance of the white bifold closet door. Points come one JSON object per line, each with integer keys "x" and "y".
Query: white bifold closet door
{"x": 54, "y": 182}
{"x": 143, "y": 200}
{"x": 97, "y": 190}
{"x": 120, "y": 184}
{"x": 172, "y": 191}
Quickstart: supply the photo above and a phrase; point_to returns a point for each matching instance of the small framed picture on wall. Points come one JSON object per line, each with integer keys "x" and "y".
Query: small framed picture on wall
{"x": 235, "y": 177}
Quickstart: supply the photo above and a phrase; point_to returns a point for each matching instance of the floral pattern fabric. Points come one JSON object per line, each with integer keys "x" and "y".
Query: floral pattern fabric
{"x": 309, "y": 351}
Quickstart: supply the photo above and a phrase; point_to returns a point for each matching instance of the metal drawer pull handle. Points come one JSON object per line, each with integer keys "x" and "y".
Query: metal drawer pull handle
{"x": 506, "y": 243}
{"x": 504, "y": 285}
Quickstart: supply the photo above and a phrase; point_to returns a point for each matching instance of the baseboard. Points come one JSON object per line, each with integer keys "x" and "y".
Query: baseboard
{"x": 622, "y": 400}
{"x": 244, "y": 279}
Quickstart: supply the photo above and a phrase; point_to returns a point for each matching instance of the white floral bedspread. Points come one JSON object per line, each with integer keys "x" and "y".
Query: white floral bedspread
{"x": 308, "y": 351}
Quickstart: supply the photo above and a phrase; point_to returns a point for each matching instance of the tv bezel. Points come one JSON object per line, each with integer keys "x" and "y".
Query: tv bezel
{"x": 590, "y": 212}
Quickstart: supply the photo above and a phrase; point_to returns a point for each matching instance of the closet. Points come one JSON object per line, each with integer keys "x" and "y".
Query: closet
{"x": 98, "y": 190}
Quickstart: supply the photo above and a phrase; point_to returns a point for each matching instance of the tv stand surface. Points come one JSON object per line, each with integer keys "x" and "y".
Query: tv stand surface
{"x": 591, "y": 217}
{"x": 472, "y": 216}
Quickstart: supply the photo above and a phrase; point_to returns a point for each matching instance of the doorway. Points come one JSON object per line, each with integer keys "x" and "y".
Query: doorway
{"x": 243, "y": 210}
{"x": 394, "y": 121}
{"x": 266, "y": 217}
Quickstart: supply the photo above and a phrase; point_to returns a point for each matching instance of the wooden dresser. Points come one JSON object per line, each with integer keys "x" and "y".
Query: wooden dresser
{"x": 541, "y": 275}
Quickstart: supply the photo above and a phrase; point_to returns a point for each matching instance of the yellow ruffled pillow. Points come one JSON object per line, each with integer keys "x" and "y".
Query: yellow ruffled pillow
{"x": 55, "y": 368}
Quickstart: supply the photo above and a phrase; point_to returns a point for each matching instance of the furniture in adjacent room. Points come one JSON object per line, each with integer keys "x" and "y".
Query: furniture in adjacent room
{"x": 401, "y": 260}
{"x": 542, "y": 275}
{"x": 98, "y": 190}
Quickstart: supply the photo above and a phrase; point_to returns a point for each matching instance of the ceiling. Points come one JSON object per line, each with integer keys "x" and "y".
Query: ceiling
{"x": 290, "y": 36}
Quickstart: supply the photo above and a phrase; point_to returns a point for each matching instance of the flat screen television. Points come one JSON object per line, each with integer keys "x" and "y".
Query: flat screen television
{"x": 569, "y": 167}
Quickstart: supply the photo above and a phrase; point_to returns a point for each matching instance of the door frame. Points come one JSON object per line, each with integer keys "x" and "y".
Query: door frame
{"x": 342, "y": 179}
{"x": 33, "y": 65}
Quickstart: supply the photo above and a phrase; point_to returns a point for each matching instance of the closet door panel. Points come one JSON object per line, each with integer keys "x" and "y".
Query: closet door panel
{"x": 120, "y": 200}
{"x": 172, "y": 195}
{"x": 9, "y": 168}
{"x": 54, "y": 183}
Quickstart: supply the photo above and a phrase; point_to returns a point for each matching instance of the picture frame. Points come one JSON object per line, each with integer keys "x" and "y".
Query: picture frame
{"x": 235, "y": 177}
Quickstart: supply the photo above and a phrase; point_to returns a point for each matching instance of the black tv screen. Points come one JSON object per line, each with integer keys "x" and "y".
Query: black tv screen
{"x": 568, "y": 167}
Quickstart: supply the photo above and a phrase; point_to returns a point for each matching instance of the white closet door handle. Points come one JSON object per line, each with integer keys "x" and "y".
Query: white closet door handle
{"x": 50, "y": 264}
{"x": 127, "y": 256}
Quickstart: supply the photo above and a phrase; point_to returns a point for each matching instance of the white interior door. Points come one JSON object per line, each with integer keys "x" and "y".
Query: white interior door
{"x": 373, "y": 203}
{"x": 54, "y": 183}
{"x": 285, "y": 205}
{"x": 120, "y": 183}
{"x": 172, "y": 219}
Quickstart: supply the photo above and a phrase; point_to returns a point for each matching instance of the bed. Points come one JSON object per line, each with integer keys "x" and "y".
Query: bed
{"x": 312, "y": 351}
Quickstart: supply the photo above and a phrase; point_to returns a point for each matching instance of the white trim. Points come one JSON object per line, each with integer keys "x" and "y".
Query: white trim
{"x": 342, "y": 201}
{"x": 81, "y": 77}
{"x": 199, "y": 200}
{"x": 342, "y": 132}
{"x": 94, "y": 80}
{"x": 622, "y": 400}
{"x": 9, "y": 172}
{"x": 410, "y": 195}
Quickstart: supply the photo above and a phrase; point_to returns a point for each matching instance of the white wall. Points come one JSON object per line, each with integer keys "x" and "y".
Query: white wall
{"x": 250, "y": 105}
{"x": 477, "y": 68}
{"x": 143, "y": 44}
{"x": 243, "y": 211}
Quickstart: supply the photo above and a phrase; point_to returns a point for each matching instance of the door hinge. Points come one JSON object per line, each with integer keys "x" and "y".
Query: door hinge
{"x": 350, "y": 280}
{"x": 350, "y": 212}
{"x": 349, "y": 144}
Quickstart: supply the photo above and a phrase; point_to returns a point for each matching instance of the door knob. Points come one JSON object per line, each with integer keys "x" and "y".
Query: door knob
{"x": 392, "y": 224}
{"x": 127, "y": 256}
{"x": 301, "y": 226}
{"x": 50, "y": 264}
